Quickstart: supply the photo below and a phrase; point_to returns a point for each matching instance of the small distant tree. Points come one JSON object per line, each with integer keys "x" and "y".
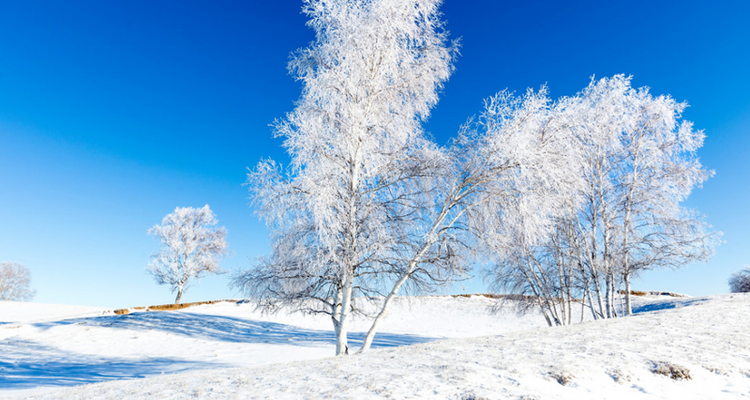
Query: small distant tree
{"x": 15, "y": 282}
{"x": 740, "y": 281}
{"x": 191, "y": 246}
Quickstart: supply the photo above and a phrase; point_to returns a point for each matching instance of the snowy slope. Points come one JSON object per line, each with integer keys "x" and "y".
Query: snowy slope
{"x": 45, "y": 345}
{"x": 14, "y": 312}
{"x": 598, "y": 360}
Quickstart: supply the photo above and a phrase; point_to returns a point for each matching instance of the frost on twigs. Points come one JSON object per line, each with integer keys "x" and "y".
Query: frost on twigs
{"x": 673, "y": 371}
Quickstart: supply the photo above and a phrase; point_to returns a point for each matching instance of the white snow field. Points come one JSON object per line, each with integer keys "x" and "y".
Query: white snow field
{"x": 431, "y": 347}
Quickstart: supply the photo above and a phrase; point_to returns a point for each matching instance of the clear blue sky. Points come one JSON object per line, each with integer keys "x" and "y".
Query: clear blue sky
{"x": 114, "y": 113}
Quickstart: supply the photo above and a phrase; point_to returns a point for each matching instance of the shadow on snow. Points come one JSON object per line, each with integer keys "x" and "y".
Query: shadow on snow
{"x": 666, "y": 305}
{"x": 25, "y": 364}
{"x": 232, "y": 329}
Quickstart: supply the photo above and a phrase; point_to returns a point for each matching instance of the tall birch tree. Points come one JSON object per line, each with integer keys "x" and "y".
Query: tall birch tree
{"x": 355, "y": 141}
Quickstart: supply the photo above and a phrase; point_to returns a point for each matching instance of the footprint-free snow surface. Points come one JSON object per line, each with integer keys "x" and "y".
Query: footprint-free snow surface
{"x": 431, "y": 347}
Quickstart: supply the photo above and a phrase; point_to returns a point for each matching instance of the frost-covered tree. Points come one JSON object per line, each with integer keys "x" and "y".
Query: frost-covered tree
{"x": 191, "y": 245}
{"x": 15, "y": 282}
{"x": 637, "y": 163}
{"x": 507, "y": 176}
{"x": 357, "y": 152}
{"x": 739, "y": 282}
{"x": 640, "y": 163}
{"x": 659, "y": 169}
{"x": 369, "y": 206}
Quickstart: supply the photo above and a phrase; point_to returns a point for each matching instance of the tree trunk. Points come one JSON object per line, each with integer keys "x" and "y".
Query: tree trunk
{"x": 583, "y": 306}
{"x": 608, "y": 293}
{"x": 179, "y": 295}
{"x": 628, "y": 306}
{"x": 431, "y": 239}
{"x": 591, "y": 304}
{"x": 383, "y": 312}
{"x": 387, "y": 302}
{"x": 342, "y": 341}
{"x": 335, "y": 315}
{"x": 598, "y": 290}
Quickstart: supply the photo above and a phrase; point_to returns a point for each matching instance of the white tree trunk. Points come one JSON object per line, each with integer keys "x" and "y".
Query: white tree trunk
{"x": 628, "y": 307}
{"x": 342, "y": 341}
{"x": 608, "y": 293}
{"x": 335, "y": 315}
{"x": 598, "y": 290}
{"x": 384, "y": 310}
{"x": 179, "y": 294}
{"x": 430, "y": 239}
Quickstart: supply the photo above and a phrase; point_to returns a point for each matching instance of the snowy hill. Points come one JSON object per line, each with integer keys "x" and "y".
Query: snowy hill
{"x": 492, "y": 356}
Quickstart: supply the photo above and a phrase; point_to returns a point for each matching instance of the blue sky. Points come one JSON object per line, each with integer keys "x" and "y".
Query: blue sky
{"x": 114, "y": 113}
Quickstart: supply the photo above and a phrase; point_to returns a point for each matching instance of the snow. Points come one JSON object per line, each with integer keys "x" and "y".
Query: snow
{"x": 431, "y": 347}
{"x": 14, "y": 312}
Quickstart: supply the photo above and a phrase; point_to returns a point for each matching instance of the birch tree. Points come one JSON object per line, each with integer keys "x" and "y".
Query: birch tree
{"x": 659, "y": 170}
{"x": 640, "y": 164}
{"x": 191, "y": 246}
{"x": 356, "y": 146}
{"x": 15, "y": 282}
{"x": 637, "y": 163}
{"x": 508, "y": 168}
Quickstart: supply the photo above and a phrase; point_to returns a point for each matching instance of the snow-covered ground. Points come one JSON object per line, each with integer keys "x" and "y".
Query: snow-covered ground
{"x": 432, "y": 347}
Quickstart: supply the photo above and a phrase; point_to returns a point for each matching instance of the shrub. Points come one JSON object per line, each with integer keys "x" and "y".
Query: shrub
{"x": 673, "y": 371}
{"x": 562, "y": 377}
{"x": 740, "y": 281}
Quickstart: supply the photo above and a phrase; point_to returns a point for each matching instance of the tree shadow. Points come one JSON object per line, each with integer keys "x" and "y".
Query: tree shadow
{"x": 666, "y": 305}
{"x": 25, "y": 364}
{"x": 233, "y": 329}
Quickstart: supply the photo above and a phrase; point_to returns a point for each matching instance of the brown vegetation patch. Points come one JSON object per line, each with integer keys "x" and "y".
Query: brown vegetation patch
{"x": 472, "y": 396}
{"x": 620, "y": 376}
{"x": 562, "y": 377}
{"x": 673, "y": 371}
{"x": 168, "y": 307}
{"x": 653, "y": 293}
{"x": 488, "y": 295}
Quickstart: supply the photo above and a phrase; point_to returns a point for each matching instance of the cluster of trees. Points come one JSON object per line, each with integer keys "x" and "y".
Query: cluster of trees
{"x": 566, "y": 198}
{"x": 636, "y": 162}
